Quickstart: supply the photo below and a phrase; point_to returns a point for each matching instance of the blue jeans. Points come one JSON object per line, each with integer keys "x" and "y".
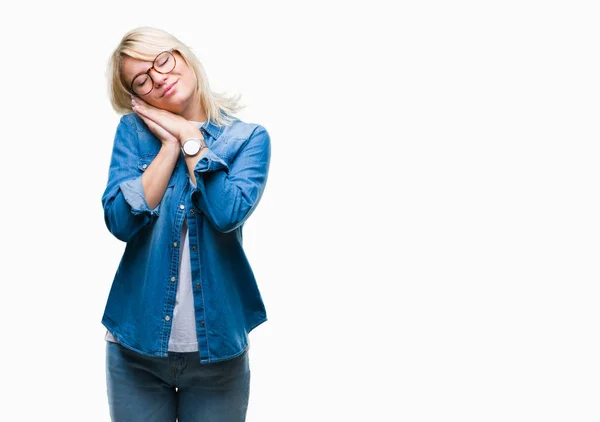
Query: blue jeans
{"x": 161, "y": 389}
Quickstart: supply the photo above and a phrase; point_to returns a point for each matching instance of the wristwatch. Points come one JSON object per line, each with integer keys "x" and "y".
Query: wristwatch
{"x": 192, "y": 146}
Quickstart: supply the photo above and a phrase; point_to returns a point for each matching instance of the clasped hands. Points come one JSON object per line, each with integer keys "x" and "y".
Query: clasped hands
{"x": 169, "y": 127}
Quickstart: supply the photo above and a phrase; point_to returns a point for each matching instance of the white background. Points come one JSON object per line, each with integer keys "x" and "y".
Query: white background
{"x": 427, "y": 244}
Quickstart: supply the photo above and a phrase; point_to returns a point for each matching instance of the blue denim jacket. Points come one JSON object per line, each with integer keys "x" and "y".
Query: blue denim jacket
{"x": 230, "y": 180}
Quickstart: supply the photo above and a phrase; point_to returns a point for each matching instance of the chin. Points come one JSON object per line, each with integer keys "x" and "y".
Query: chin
{"x": 174, "y": 104}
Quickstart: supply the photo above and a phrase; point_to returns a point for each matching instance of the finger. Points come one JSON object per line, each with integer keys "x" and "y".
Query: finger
{"x": 146, "y": 109}
{"x": 152, "y": 115}
{"x": 137, "y": 103}
{"x": 158, "y": 130}
{"x": 149, "y": 112}
{"x": 138, "y": 100}
{"x": 171, "y": 122}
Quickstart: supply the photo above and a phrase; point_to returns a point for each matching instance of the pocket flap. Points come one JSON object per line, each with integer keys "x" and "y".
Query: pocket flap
{"x": 145, "y": 161}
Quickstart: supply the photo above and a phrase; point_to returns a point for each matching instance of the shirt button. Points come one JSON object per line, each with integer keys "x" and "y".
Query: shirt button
{"x": 192, "y": 211}
{"x": 202, "y": 323}
{"x": 173, "y": 279}
{"x": 198, "y": 285}
{"x": 167, "y": 318}
{"x": 145, "y": 166}
{"x": 194, "y": 248}
{"x": 182, "y": 206}
{"x": 174, "y": 244}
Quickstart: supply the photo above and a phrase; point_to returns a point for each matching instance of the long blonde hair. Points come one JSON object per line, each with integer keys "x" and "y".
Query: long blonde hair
{"x": 145, "y": 43}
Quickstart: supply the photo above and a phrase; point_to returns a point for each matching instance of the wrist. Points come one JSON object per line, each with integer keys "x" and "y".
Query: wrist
{"x": 196, "y": 133}
{"x": 171, "y": 148}
{"x": 193, "y": 146}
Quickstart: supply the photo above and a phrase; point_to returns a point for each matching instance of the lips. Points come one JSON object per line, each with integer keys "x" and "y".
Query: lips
{"x": 169, "y": 88}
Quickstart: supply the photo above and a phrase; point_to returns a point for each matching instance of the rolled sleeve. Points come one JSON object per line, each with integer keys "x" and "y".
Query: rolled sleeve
{"x": 126, "y": 211}
{"x": 210, "y": 162}
{"x": 227, "y": 195}
{"x": 133, "y": 192}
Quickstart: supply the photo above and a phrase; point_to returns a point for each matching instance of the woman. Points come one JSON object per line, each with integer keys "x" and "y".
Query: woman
{"x": 184, "y": 177}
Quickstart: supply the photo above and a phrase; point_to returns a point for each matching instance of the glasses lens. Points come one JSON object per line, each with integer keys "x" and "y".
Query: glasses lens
{"x": 142, "y": 84}
{"x": 165, "y": 62}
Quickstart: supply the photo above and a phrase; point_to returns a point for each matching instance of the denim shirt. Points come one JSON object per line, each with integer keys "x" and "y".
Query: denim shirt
{"x": 230, "y": 180}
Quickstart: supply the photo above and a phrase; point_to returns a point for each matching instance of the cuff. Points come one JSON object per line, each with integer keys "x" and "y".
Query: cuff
{"x": 210, "y": 162}
{"x": 133, "y": 192}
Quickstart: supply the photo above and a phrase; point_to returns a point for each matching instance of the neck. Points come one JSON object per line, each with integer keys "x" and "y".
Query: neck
{"x": 194, "y": 111}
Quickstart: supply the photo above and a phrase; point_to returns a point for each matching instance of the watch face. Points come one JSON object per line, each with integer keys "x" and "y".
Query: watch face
{"x": 191, "y": 146}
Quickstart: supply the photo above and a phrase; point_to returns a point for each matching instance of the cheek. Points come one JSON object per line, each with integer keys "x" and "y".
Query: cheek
{"x": 189, "y": 79}
{"x": 187, "y": 86}
{"x": 155, "y": 101}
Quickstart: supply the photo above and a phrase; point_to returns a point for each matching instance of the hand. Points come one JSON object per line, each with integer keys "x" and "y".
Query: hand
{"x": 170, "y": 128}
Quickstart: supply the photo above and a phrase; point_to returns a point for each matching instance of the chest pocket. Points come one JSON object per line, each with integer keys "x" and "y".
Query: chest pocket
{"x": 145, "y": 161}
{"x": 228, "y": 149}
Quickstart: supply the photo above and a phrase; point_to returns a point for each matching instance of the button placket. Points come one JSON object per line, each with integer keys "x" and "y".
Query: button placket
{"x": 197, "y": 285}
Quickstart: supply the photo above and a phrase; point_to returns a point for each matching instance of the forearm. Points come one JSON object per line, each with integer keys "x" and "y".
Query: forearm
{"x": 156, "y": 177}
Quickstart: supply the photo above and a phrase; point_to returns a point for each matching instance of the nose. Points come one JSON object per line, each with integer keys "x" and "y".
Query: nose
{"x": 158, "y": 78}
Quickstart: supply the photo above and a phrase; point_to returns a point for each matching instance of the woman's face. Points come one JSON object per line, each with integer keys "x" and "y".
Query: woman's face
{"x": 174, "y": 91}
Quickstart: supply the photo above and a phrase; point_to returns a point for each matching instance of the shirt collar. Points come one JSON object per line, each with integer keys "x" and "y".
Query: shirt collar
{"x": 213, "y": 130}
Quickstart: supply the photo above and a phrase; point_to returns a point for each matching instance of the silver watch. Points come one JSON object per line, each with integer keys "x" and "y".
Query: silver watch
{"x": 192, "y": 146}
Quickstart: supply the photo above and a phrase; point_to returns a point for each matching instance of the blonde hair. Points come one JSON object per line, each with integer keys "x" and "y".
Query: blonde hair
{"x": 145, "y": 43}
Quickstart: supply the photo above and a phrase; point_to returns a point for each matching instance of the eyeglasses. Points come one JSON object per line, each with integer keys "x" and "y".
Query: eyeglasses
{"x": 164, "y": 63}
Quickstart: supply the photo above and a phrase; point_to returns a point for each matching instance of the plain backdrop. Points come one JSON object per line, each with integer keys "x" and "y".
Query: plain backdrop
{"x": 427, "y": 243}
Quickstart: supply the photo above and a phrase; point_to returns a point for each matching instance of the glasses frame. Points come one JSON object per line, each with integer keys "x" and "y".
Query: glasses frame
{"x": 153, "y": 68}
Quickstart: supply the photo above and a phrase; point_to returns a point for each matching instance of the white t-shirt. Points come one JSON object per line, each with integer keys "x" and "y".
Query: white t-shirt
{"x": 183, "y": 337}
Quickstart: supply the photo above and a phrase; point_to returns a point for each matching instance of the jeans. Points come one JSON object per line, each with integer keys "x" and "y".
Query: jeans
{"x": 161, "y": 389}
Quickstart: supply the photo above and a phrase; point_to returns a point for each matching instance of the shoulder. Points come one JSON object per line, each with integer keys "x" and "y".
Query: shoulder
{"x": 133, "y": 121}
{"x": 137, "y": 132}
{"x": 240, "y": 129}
